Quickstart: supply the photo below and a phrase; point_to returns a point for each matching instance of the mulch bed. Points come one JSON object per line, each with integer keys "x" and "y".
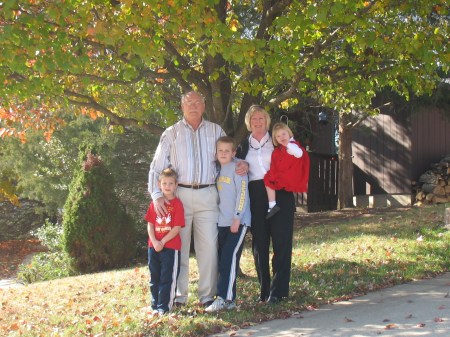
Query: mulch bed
{"x": 14, "y": 252}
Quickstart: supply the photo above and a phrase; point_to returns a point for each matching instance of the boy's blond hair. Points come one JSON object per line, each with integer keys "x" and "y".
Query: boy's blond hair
{"x": 168, "y": 173}
{"x": 277, "y": 127}
{"x": 227, "y": 140}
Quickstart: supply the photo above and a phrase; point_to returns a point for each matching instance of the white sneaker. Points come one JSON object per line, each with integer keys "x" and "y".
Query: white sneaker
{"x": 220, "y": 304}
{"x": 230, "y": 305}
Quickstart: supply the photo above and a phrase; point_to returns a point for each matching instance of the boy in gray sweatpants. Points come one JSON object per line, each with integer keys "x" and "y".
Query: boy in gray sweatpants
{"x": 234, "y": 218}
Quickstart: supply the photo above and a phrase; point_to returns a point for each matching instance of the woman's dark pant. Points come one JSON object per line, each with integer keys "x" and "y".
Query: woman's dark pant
{"x": 279, "y": 230}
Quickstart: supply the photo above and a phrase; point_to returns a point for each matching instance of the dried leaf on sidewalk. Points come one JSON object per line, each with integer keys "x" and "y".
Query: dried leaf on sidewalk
{"x": 390, "y": 326}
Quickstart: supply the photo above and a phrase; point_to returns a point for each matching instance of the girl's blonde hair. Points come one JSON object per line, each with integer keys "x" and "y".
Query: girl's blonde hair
{"x": 251, "y": 111}
{"x": 277, "y": 127}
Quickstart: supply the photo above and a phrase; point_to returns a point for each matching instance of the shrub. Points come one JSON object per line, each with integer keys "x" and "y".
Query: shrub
{"x": 49, "y": 265}
{"x": 98, "y": 233}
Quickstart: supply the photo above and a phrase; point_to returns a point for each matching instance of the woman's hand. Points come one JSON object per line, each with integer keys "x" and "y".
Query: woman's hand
{"x": 242, "y": 168}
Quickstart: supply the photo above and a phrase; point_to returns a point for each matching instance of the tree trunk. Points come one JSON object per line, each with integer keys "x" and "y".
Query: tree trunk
{"x": 345, "y": 179}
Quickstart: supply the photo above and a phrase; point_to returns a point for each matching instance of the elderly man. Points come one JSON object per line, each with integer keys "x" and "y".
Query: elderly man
{"x": 189, "y": 148}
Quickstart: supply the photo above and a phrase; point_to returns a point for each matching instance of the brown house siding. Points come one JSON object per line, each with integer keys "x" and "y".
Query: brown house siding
{"x": 382, "y": 156}
{"x": 391, "y": 151}
{"x": 430, "y": 140}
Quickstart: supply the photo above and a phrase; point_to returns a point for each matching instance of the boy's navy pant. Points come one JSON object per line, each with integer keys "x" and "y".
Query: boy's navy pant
{"x": 230, "y": 250}
{"x": 164, "y": 267}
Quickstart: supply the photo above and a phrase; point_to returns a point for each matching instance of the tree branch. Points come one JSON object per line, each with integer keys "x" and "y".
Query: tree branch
{"x": 88, "y": 102}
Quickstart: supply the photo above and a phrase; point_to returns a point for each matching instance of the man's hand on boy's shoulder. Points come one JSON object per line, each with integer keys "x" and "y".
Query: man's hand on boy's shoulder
{"x": 160, "y": 206}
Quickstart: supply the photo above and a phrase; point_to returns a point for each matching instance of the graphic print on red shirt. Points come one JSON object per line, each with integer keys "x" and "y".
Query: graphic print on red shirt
{"x": 163, "y": 225}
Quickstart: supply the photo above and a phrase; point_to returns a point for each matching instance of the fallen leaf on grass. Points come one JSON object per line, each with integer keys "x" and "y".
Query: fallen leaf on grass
{"x": 14, "y": 327}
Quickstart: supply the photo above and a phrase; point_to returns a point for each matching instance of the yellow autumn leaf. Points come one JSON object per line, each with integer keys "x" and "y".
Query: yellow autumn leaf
{"x": 234, "y": 25}
{"x": 284, "y": 104}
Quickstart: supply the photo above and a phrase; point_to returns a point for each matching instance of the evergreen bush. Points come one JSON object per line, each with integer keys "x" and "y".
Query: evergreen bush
{"x": 98, "y": 233}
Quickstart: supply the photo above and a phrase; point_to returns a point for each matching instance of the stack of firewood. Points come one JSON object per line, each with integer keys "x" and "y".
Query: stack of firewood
{"x": 434, "y": 185}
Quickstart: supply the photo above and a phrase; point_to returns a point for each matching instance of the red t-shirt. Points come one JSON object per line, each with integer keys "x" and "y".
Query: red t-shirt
{"x": 163, "y": 225}
{"x": 288, "y": 172}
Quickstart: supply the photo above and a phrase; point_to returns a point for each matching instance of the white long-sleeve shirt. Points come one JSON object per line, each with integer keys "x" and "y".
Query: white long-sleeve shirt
{"x": 259, "y": 156}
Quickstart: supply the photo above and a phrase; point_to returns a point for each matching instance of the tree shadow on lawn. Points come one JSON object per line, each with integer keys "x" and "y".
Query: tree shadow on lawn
{"x": 341, "y": 279}
{"x": 303, "y": 219}
{"x": 330, "y": 227}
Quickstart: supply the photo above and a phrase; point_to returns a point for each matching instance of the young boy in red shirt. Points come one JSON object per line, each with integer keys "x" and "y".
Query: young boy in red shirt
{"x": 164, "y": 244}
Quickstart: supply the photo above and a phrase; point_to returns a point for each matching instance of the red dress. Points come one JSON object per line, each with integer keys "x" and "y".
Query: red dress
{"x": 287, "y": 171}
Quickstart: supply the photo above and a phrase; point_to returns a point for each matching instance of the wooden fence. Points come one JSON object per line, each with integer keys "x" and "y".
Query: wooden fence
{"x": 323, "y": 182}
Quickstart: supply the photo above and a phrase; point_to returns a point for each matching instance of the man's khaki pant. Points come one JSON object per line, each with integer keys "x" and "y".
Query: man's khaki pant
{"x": 201, "y": 212}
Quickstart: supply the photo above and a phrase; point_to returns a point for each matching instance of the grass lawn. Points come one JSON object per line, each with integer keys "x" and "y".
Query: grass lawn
{"x": 336, "y": 256}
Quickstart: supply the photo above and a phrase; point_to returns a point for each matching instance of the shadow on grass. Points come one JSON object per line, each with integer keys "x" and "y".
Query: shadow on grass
{"x": 397, "y": 257}
{"x": 401, "y": 223}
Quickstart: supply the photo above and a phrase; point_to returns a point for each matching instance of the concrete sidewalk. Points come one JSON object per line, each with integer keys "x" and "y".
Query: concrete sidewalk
{"x": 9, "y": 283}
{"x": 419, "y": 308}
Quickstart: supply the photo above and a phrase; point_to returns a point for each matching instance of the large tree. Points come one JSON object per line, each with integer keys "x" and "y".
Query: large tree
{"x": 129, "y": 60}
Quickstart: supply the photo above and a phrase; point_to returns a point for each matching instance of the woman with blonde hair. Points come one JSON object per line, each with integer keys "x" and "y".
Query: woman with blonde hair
{"x": 257, "y": 150}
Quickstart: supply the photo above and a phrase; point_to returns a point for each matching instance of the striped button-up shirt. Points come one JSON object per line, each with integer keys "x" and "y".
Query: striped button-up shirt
{"x": 190, "y": 153}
